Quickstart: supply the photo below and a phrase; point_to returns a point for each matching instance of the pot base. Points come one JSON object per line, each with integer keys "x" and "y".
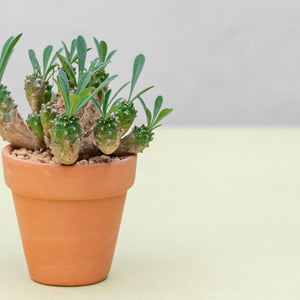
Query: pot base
{"x": 69, "y": 285}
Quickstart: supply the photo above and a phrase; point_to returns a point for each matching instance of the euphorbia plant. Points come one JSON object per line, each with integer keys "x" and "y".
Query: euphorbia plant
{"x": 82, "y": 116}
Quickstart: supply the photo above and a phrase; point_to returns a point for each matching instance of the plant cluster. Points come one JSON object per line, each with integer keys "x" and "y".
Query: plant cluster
{"x": 84, "y": 117}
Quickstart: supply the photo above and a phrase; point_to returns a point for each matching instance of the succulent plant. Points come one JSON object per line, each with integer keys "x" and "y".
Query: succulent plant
{"x": 140, "y": 137}
{"x": 107, "y": 130}
{"x": 12, "y": 127}
{"x": 37, "y": 87}
{"x": 82, "y": 119}
{"x": 126, "y": 112}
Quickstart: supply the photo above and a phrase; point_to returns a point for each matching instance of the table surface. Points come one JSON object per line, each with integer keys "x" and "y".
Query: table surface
{"x": 214, "y": 214}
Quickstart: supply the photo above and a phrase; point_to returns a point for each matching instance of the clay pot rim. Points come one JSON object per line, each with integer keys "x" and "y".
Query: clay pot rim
{"x": 6, "y": 151}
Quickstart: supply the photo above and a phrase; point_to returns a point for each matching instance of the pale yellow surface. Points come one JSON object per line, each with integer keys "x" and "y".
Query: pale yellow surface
{"x": 214, "y": 214}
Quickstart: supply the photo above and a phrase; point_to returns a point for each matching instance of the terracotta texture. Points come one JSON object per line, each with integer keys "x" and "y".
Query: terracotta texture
{"x": 68, "y": 217}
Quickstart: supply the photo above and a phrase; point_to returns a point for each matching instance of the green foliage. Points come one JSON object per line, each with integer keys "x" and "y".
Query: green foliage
{"x": 158, "y": 115}
{"x": 75, "y": 102}
{"x": 138, "y": 65}
{"x": 45, "y": 71}
{"x": 6, "y": 52}
{"x": 56, "y": 117}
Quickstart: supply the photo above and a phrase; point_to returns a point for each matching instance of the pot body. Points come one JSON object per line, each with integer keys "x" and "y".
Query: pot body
{"x": 68, "y": 216}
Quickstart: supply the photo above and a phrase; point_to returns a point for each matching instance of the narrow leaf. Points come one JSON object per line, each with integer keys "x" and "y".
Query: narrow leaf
{"x": 114, "y": 107}
{"x": 161, "y": 115}
{"x": 147, "y": 111}
{"x": 48, "y": 71}
{"x": 67, "y": 68}
{"x": 68, "y": 55}
{"x": 46, "y": 56}
{"x": 110, "y": 55}
{"x": 142, "y": 92}
{"x": 81, "y": 52}
{"x": 105, "y": 102}
{"x": 97, "y": 105}
{"x": 119, "y": 90}
{"x": 74, "y": 101}
{"x": 96, "y": 91}
{"x": 63, "y": 80}
{"x": 137, "y": 69}
{"x": 86, "y": 92}
{"x": 157, "y": 106}
{"x": 6, "y": 53}
{"x": 34, "y": 62}
{"x": 4, "y": 49}
{"x": 83, "y": 82}
{"x": 54, "y": 58}
{"x": 73, "y": 47}
{"x": 100, "y": 66}
{"x": 103, "y": 51}
{"x": 53, "y": 98}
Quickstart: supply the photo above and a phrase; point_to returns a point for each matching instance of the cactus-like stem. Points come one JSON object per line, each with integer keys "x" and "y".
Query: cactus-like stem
{"x": 35, "y": 125}
{"x": 96, "y": 80}
{"x": 35, "y": 89}
{"x": 107, "y": 134}
{"x": 66, "y": 139}
{"x": 12, "y": 127}
{"x": 135, "y": 142}
{"x": 48, "y": 92}
{"x": 126, "y": 114}
{"x": 48, "y": 113}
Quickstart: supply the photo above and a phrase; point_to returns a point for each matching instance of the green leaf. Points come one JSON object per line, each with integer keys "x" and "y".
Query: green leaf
{"x": 100, "y": 66}
{"x": 96, "y": 91}
{"x": 63, "y": 80}
{"x": 137, "y": 69}
{"x": 73, "y": 47}
{"x": 147, "y": 111}
{"x": 4, "y": 49}
{"x": 6, "y": 53}
{"x": 141, "y": 93}
{"x": 110, "y": 55}
{"x": 67, "y": 68}
{"x": 53, "y": 98}
{"x": 68, "y": 55}
{"x": 34, "y": 62}
{"x": 48, "y": 71}
{"x": 156, "y": 126}
{"x": 113, "y": 107}
{"x": 86, "y": 92}
{"x": 161, "y": 115}
{"x": 75, "y": 58}
{"x": 83, "y": 82}
{"x": 74, "y": 101}
{"x": 46, "y": 56}
{"x": 157, "y": 106}
{"x": 101, "y": 49}
{"x": 105, "y": 102}
{"x": 55, "y": 57}
{"x": 81, "y": 52}
{"x": 119, "y": 90}
{"x": 97, "y": 105}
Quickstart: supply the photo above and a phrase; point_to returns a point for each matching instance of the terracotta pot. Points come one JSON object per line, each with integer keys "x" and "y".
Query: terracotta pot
{"x": 69, "y": 216}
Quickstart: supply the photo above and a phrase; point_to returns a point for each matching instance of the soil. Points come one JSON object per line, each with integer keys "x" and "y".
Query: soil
{"x": 48, "y": 158}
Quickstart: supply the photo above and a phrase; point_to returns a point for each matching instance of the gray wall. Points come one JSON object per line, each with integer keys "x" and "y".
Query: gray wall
{"x": 216, "y": 62}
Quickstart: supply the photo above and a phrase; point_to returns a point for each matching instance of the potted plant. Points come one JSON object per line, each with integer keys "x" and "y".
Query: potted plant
{"x": 71, "y": 163}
